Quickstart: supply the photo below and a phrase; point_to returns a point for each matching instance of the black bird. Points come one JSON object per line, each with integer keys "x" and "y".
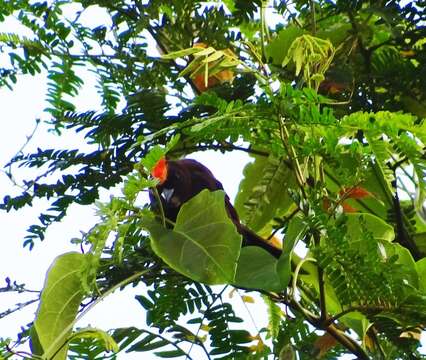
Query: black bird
{"x": 180, "y": 180}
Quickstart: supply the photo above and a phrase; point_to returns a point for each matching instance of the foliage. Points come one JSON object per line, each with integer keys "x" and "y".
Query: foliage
{"x": 328, "y": 99}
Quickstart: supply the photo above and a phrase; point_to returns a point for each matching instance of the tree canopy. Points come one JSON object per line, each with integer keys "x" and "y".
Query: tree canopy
{"x": 329, "y": 100}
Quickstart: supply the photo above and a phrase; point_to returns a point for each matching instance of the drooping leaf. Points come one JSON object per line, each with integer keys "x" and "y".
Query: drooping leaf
{"x": 358, "y": 322}
{"x": 274, "y": 317}
{"x": 61, "y": 296}
{"x": 204, "y": 244}
{"x": 405, "y": 259}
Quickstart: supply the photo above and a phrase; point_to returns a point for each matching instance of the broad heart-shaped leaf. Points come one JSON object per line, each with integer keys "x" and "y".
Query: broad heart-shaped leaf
{"x": 61, "y": 296}
{"x": 204, "y": 244}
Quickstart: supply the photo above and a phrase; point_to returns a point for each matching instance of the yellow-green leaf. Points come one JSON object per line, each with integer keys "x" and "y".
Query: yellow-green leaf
{"x": 61, "y": 296}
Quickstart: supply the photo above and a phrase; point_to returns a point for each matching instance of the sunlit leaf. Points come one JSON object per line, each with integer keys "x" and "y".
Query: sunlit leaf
{"x": 61, "y": 296}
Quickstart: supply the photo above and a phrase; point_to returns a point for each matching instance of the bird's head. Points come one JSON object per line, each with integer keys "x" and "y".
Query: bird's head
{"x": 159, "y": 171}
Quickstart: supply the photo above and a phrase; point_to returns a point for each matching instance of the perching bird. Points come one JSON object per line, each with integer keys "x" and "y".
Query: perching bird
{"x": 180, "y": 180}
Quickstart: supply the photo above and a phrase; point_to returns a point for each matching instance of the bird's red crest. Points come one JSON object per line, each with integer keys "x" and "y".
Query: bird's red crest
{"x": 159, "y": 171}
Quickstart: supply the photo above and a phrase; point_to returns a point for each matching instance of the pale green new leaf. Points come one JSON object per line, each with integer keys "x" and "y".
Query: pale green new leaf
{"x": 60, "y": 299}
{"x": 278, "y": 48}
{"x": 181, "y": 53}
{"x": 204, "y": 244}
{"x": 274, "y": 316}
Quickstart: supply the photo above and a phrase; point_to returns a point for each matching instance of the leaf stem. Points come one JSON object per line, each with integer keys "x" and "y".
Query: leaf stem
{"x": 292, "y": 154}
{"x": 160, "y": 205}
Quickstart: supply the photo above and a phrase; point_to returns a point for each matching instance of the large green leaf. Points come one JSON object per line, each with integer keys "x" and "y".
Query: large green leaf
{"x": 257, "y": 269}
{"x": 61, "y": 296}
{"x": 357, "y": 322}
{"x": 204, "y": 244}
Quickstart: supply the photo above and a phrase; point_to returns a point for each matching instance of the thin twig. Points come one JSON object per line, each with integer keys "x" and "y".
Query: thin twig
{"x": 292, "y": 154}
{"x": 215, "y": 298}
{"x": 306, "y": 312}
{"x": 19, "y": 306}
{"x": 160, "y": 205}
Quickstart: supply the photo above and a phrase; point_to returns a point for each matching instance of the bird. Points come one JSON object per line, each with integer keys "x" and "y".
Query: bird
{"x": 180, "y": 180}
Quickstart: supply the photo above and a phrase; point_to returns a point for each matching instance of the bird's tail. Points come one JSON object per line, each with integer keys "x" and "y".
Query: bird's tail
{"x": 250, "y": 238}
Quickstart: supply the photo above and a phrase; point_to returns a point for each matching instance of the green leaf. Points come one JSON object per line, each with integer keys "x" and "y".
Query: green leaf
{"x": 406, "y": 260}
{"x": 274, "y": 316}
{"x": 295, "y": 229}
{"x": 421, "y": 271}
{"x": 61, "y": 296}
{"x": 170, "y": 354}
{"x": 263, "y": 192}
{"x": 204, "y": 244}
{"x": 357, "y": 322}
{"x": 135, "y": 183}
{"x": 278, "y": 48}
{"x": 257, "y": 269}
{"x": 379, "y": 228}
{"x": 181, "y": 53}
{"x": 96, "y": 334}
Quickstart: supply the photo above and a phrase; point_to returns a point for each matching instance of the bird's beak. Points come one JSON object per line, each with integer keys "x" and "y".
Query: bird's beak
{"x": 167, "y": 194}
